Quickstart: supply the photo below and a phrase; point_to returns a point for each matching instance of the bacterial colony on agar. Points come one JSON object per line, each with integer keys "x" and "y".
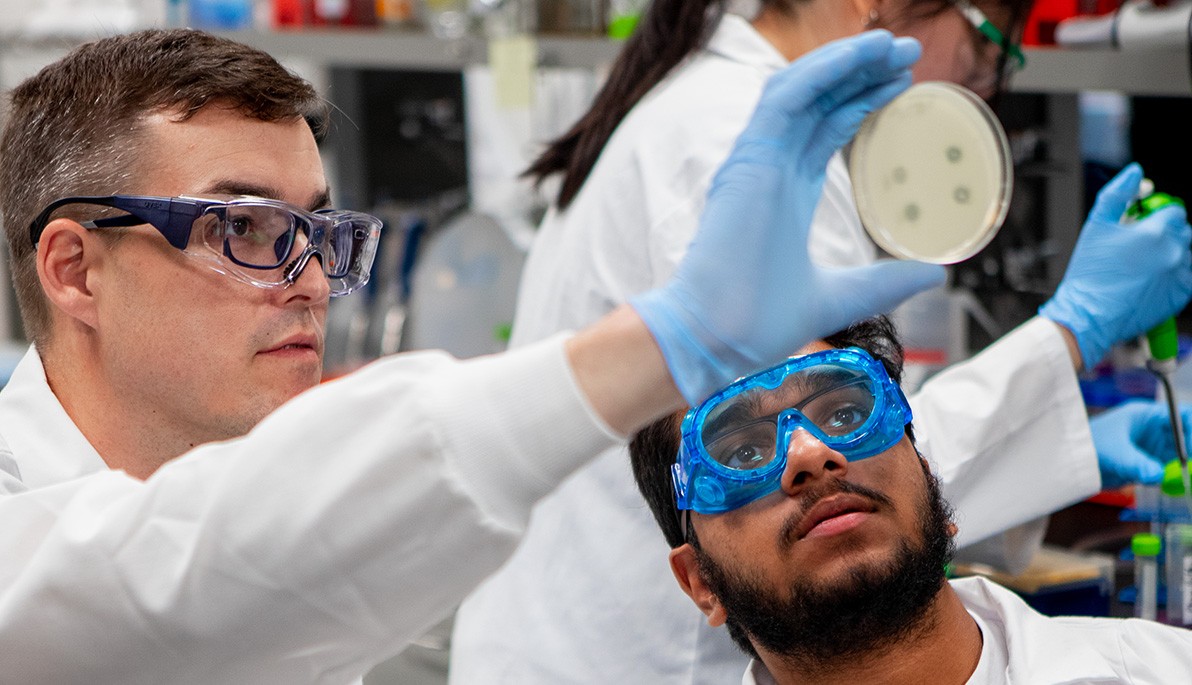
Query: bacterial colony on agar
{"x": 932, "y": 174}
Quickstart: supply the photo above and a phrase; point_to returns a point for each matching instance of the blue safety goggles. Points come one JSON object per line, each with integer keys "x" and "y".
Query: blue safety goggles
{"x": 734, "y": 444}
{"x": 263, "y": 242}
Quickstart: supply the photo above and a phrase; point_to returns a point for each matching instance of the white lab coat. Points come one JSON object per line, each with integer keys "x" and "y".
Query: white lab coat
{"x": 1023, "y": 647}
{"x": 588, "y": 596}
{"x": 341, "y": 527}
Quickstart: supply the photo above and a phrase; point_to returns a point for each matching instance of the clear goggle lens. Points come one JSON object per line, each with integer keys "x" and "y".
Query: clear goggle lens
{"x": 270, "y": 245}
{"x": 742, "y": 433}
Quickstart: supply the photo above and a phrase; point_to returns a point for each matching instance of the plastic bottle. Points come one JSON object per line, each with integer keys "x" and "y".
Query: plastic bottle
{"x": 221, "y": 15}
{"x": 1146, "y": 548}
{"x": 1179, "y": 574}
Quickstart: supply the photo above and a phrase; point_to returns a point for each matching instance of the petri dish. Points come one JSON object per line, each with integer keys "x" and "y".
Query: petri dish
{"x": 932, "y": 174}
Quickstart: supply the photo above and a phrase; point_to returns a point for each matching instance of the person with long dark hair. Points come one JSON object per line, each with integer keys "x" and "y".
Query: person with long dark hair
{"x": 584, "y": 599}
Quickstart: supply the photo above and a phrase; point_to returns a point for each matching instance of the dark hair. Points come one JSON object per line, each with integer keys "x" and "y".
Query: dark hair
{"x": 652, "y": 450}
{"x": 669, "y": 32}
{"x": 72, "y": 127}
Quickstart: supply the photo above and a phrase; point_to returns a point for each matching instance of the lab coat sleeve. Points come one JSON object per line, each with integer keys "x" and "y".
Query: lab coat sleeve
{"x": 1007, "y": 433}
{"x": 340, "y": 528}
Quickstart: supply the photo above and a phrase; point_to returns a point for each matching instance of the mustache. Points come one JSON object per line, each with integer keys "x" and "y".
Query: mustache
{"x": 789, "y": 532}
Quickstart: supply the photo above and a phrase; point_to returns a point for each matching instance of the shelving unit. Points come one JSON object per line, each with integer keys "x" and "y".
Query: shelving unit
{"x": 417, "y": 50}
{"x": 1151, "y": 72}
{"x": 1053, "y": 70}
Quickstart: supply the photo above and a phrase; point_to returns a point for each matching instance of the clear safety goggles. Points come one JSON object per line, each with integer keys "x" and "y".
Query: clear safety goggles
{"x": 734, "y": 444}
{"x": 1011, "y": 54}
{"x": 262, "y": 242}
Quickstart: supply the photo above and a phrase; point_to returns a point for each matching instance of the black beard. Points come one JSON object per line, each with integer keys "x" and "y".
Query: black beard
{"x": 870, "y": 611}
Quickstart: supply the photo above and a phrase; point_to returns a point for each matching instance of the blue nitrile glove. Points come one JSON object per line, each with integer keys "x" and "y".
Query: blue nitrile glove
{"x": 1123, "y": 279}
{"x": 1134, "y": 441}
{"x": 747, "y": 295}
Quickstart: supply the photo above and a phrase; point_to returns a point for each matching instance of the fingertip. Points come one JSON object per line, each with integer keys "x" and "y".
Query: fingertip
{"x": 1128, "y": 178}
{"x": 914, "y": 276}
{"x": 873, "y": 44}
{"x": 875, "y": 36}
{"x": 1150, "y": 473}
{"x": 1174, "y": 216}
{"x": 905, "y": 52}
{"x": 1116, "y": 195}
{"x": 933, "y": 275}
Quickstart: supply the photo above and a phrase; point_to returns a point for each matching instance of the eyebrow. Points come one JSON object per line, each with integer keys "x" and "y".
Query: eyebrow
{"x": 744, "y": 410}
{"x": 748, "y": 407}
{"x": 322, "y": 200}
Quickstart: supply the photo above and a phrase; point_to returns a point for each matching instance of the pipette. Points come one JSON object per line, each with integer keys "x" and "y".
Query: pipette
{"x": 1163, "y": 340}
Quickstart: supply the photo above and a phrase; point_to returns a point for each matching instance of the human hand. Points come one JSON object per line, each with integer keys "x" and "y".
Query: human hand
{"x": 747, "y": 294}
{"x": 1123, "y": 279}
{"x": 1134, "y": 441}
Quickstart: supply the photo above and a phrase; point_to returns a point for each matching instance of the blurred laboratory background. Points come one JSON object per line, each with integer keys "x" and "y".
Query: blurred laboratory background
{"x": 439, "y": 105}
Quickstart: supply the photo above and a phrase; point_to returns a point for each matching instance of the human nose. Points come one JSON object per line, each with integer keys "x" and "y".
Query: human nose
{"x": 809, "y": 460}
{"x": 309, "y": 285}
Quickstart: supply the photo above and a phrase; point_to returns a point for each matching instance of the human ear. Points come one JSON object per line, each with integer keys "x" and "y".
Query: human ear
{"x": 686, "y": 569}
{"x": 66, "y": 256}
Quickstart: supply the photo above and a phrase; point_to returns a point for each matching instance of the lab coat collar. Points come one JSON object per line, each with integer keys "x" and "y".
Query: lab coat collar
{"x": 43, "y": 440}
{"x": 1038, "y": 648}
{"x": 736, "y": 39}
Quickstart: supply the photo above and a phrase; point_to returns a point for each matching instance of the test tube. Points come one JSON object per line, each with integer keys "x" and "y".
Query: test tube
{"x": 1179, "y": 574}
{"x": 1146, "y": 548}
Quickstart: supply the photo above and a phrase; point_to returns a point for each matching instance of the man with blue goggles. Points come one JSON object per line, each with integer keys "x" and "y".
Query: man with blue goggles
{"x": 821, "y": 537}
{"x": 735, "y": 443}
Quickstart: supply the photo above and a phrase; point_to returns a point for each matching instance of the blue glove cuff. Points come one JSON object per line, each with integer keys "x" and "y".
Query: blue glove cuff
{"x": 1092, "y": 346}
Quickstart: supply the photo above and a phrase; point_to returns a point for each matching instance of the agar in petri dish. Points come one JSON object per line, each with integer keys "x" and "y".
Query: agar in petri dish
{"x": 932, "y": 174}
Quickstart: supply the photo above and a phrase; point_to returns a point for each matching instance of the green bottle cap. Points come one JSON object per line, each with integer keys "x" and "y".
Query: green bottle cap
{"x": 622, "y": 26}
{"x": 1145, "y": 545}
{"x": 1173, "y": 479}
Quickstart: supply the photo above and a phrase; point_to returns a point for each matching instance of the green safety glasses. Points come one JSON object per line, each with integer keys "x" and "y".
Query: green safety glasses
{"x": 1011, "y": 53}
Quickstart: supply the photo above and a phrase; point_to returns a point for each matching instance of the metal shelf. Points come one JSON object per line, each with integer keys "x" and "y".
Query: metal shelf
{"x": 418, "y": 50}
{"x": 1049, "y": 70}
{"x": 1134, "y": 72}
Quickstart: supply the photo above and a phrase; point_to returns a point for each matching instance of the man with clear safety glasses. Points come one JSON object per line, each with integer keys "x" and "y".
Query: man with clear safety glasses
{"x": 801, "y": 516}
{"x": 178, "y": 505}
{"x": 261, "y": 242}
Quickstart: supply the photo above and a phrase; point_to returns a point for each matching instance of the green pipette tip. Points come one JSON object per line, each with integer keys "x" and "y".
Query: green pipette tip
{"x": 1164, "y": 338}
{"x": 1164, "y": 341}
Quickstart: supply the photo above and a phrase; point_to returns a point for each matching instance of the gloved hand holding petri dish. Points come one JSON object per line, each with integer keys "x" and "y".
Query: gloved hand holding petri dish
{"x": 932, "y": 174}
